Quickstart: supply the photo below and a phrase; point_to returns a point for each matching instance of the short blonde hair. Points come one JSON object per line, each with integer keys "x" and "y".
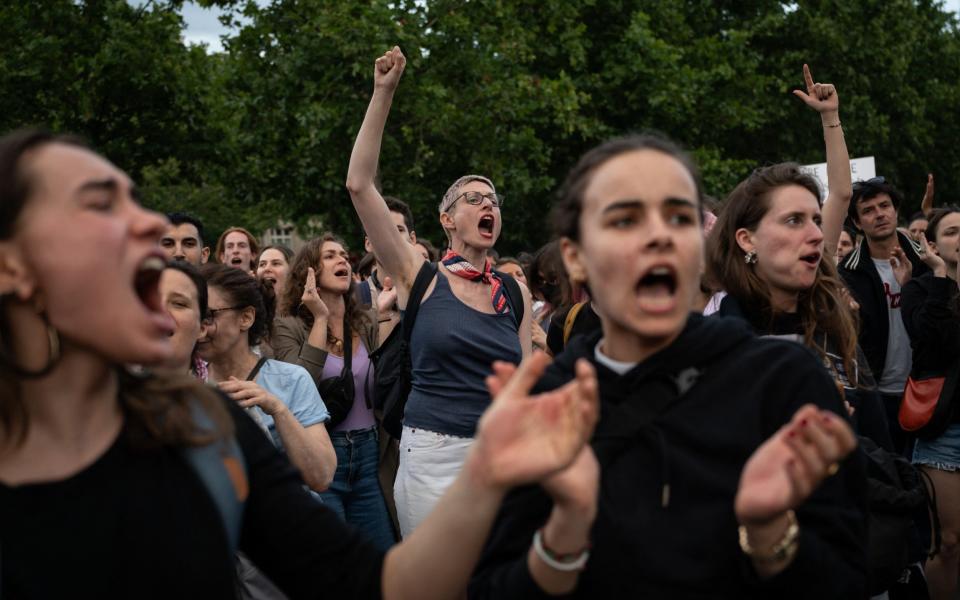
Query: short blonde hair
{"x": 453, "y": 192}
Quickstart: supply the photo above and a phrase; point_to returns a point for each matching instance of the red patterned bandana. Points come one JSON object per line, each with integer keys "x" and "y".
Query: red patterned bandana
{"x": 460, "y": 267}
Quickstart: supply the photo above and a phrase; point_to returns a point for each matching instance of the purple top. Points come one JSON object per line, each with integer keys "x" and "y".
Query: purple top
{"x": 359, "y": 417}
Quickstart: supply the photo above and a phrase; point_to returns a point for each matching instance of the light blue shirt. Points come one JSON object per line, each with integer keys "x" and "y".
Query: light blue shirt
{"x": 294, "y": 387}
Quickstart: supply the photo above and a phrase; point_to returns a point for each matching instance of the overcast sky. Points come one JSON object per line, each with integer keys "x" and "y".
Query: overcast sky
{"x": 203, "y": 26}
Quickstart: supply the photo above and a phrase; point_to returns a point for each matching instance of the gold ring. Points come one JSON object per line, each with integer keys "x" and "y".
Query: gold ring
{"x": 832, "y": 469}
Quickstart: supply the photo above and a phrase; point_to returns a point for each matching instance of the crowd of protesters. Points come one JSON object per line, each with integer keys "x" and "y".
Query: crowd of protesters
{"x": 731, "y": 409}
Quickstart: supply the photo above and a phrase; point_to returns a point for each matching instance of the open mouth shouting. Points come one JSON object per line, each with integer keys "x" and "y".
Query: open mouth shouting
{"x": 657, "y": 289}
{"x": 236, "y": 261}
{"x": 812, "y": 259}
{"x": 486, "y": 226}
{"x": 342, "y": 271}
{"x": 146, "y": 284}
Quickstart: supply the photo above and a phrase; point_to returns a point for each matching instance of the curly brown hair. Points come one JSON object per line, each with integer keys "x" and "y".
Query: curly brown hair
{"x": 309, "y": 256}
{"x": 822, "y": 308}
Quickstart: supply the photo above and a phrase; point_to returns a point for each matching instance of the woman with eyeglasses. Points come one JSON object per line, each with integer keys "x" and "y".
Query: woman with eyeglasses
{"x": 465, "y": 321}
{"x": 280, "y": 396}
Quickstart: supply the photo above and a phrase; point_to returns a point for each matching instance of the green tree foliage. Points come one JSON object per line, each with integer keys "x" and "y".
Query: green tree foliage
{"x": 514, "y": 89}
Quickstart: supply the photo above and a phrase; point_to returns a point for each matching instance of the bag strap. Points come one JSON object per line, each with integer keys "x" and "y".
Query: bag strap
{"x": 514, "y": 295}
{"x": 426, "y": 274}
{"x": 347, "y": 350}
{"x": 226, "y": 486}
{"x": 570, "y": 320}
{"x": 256, "y": 368}
{"x": 931, "y": 496}
{"x": 347, "y": 346}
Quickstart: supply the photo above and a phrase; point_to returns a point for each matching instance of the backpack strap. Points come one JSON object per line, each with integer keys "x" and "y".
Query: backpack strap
{"x": 222, "y": 471}
{"x": 570, "y": 320}
{"x": 514, "y": 295}
{"x": 426, "y": 274}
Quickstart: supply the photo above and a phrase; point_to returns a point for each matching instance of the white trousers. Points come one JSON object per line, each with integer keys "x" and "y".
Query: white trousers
{"x": 429, "y": 462}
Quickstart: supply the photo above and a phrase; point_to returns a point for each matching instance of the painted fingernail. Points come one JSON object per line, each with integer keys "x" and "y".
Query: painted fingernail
{"x": 791, "y": 434}
{"x": 803, "y": 422}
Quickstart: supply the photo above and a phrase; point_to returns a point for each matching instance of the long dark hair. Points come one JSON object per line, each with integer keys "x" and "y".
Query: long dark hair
{"x": 309, "y": 256}
{"x": 242, "y": 290}
{"x": 822, "y": 308}
{"x": 158, "y": 410}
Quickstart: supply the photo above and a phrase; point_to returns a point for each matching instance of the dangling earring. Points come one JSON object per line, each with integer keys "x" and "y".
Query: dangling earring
{"x": 750, "y": 257}
{"x": 53, "y": 340}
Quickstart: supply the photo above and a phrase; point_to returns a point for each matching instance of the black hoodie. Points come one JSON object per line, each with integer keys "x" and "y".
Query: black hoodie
{"x": 673, "y": 436}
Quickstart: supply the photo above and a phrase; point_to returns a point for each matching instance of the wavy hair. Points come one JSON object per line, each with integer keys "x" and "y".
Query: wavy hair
{"x": 822, "y": 308}
{"x": 309, "y": 256}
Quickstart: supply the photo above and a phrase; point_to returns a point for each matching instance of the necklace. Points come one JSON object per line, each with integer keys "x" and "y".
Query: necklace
{"x": 333, "y": 342}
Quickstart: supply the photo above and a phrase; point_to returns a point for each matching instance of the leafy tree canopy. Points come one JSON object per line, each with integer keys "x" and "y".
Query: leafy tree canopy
{"x": 516, "y": 90}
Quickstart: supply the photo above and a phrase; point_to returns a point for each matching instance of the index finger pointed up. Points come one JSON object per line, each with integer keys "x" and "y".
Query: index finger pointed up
{"x": 808, "y": 78}
{"x": 311, "y": 277}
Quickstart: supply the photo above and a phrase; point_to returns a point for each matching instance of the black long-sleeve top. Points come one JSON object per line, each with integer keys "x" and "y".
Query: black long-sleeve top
{"x": 657, "y": 441}
{"x": 139, "y": 523}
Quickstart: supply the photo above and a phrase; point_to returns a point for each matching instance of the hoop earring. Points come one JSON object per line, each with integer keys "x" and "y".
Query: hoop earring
{"x": 750, "y": 257}
{"x": 53, "y": 340}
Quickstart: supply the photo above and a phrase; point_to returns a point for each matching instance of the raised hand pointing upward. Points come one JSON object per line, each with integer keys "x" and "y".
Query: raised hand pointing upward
{"x": 388, "y": 69}
{"x": 821, "y": 97}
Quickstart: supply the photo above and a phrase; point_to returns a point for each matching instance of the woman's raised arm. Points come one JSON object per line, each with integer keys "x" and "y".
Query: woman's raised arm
{"x": 395, "y": 253}
{"x": 823, "y": 98}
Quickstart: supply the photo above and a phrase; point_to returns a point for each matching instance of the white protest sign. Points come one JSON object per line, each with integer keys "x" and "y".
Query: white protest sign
{"x": 861, "y": 169}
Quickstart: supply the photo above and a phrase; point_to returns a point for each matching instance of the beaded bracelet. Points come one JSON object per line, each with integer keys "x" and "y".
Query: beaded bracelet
{"x": 782, "y": 550}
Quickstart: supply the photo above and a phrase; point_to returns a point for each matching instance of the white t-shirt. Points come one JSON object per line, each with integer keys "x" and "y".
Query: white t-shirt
{"x": 899, "y": 354}
{"x": 617, "y": 366}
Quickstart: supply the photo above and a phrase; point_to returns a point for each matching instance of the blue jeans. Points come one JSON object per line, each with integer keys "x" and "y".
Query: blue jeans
{"x": 355, "y": 493}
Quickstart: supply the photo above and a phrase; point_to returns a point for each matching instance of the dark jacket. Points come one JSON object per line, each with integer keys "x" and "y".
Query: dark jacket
{"x": 673, "y": 436}
{"x": 859, "y": 390}
{"x": 928, "y": 307}
{"x": 861, "y": 276}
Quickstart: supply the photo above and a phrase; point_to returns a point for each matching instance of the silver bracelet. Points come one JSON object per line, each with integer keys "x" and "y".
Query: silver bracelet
{"x": 555, "y": 562}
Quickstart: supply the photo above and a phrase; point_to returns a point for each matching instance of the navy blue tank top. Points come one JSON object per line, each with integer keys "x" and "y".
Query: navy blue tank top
{"x": 452, "y": 348}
